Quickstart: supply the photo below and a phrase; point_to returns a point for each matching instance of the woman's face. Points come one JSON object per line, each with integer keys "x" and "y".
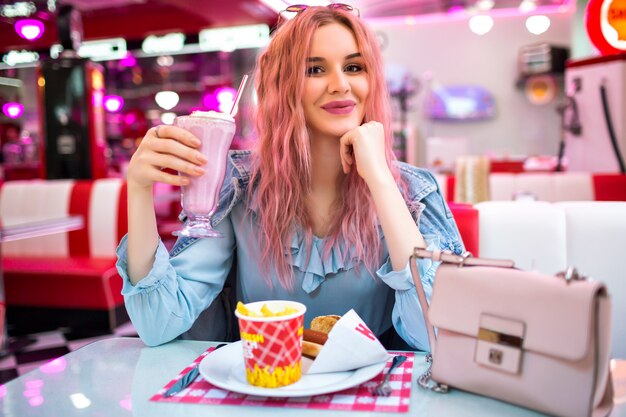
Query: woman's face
{"x": 336, "y": 85}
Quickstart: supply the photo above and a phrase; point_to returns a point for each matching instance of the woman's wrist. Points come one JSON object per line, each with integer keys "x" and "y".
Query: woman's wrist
{"x": 381, "y": 180}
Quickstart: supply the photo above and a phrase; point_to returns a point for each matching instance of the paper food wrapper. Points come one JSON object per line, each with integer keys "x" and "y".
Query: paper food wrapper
{"x": 351, "y": 345}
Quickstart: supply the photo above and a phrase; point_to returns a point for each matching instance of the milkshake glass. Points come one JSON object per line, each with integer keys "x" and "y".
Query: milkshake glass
{"x": 200, "y": 198}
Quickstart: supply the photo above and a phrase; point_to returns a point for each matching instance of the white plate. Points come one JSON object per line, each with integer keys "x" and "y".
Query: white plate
{"x": 224, "y": 368}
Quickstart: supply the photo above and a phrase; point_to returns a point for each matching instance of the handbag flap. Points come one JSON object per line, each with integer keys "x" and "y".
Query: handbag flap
{"x": 557, "y": 316}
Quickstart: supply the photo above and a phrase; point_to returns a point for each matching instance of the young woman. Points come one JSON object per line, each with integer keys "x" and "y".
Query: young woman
{"x": 319, "y": 213}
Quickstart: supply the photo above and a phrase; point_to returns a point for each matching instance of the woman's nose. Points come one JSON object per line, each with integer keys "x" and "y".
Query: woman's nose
{"x": 338, "y": 82}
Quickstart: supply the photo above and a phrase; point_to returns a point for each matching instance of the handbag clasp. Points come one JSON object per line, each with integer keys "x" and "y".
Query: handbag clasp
{"x": 571, "y": 274}
{"x": 499, "y": 344}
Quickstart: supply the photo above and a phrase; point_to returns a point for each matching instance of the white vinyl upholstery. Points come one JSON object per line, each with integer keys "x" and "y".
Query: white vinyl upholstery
{"x": 502, "y": 186}
{"x": 596, "y": 246}
{"x": 544, "y": 186}
{"x": 573, "y": 186}
{"x": 442, "y": 181}
{"x": 103, "y": 210}
{"x": 549, "y": 237}
{"x": 530, "y": 233}
{"x": 31, "y": 201}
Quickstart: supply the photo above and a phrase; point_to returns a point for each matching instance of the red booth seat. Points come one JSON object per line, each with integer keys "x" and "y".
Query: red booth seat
{"x": 72, "y": 270}
{"x": 466, "y": 218}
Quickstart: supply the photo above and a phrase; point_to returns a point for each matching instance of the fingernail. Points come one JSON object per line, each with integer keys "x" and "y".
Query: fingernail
{"x": 196, "y": 141}
{"x": 199, "y": 170}
{"x": 202, "y": 158}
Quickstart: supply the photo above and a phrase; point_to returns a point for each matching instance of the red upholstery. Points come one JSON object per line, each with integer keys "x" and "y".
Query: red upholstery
{"x": 609, "y": 187}
{"x": 507, "y": 166}
{"x": 466, "y": 217}
{"x": 84, "y": 276}
{"x": 87, "y": 283}
{"x": 450, "y": 188}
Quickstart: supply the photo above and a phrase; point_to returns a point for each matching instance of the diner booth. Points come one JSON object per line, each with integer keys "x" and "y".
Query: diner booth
{"x": 517, "y": 108}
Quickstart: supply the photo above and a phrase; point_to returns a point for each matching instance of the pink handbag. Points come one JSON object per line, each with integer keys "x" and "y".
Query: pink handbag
{"x": 522, "y": 337}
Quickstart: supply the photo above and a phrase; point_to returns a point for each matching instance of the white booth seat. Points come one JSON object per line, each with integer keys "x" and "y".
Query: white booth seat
{"x": 531, "y": 233}
{"x": 442, "y": 182}
{"x": 551, "y": 187}
{"x": 549, "y": 237}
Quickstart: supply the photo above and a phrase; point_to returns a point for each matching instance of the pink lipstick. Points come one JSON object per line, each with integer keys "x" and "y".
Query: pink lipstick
{"x": 339, "y": 106}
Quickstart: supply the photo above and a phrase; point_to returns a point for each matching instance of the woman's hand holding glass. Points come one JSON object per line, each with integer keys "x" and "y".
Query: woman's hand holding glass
{"x": 364, "y": 147}
{"x": 166, "y": 147}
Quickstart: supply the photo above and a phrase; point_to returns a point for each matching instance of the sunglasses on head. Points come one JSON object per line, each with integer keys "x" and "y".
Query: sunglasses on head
{"x": 294, "y": 9}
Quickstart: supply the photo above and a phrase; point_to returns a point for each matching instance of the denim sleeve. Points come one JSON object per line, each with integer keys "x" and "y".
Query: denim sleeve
{"x": 167, "y": 301}
{"x": 440, "y": 232}
{"x": 407, "y": 317}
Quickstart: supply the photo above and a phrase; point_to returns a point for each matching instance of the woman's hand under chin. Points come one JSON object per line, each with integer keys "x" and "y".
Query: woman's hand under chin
{"x": 364, "y": 147}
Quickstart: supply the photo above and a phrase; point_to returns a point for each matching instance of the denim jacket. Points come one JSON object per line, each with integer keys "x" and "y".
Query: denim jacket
{"x": 180, "y": 290}
{"x": 420, "y": 183}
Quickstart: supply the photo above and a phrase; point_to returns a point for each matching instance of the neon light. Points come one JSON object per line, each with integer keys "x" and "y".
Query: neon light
{"x": 605, "y": 21}
{"x": 172, "y": 42}
{"x": 20, "y": 57}
{"x": 166, "y": 99}
{"x": 13, "y": 110}
{"x": 29, "y": 29}
{"x": 231, "y": 38}
{"x": 113, "y": 103}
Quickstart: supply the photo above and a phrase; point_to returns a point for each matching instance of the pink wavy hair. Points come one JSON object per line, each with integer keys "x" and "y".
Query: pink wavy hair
{"x": 282, "y": 166}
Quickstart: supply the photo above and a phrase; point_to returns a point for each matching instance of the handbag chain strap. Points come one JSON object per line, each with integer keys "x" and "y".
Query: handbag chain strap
{"x": 425, "y": 380}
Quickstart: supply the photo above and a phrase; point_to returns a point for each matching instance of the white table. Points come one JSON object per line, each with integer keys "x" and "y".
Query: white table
{"x": 116, "y": 377}
{"x": 25, "y": 231}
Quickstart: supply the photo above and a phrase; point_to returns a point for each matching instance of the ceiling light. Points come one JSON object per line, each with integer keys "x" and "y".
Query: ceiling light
{"x": 113, "y": 103}
{"x": 13, "y": 110}
{"x": 168, "y": 118}
{"x": 29, "y": 29}
{"x": 527, "y": 6}
{"x": 166, "y": 99}
{"x": 538, "y": 24}
{"x": 485, "y": 5}
{"x": 481, "y": 24}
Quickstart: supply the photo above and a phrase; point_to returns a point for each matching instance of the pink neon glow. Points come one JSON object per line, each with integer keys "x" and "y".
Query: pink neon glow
{"x": 13, "y": 110}
{"x": 35, "y": 383}
{"x": 456, "y": 9}
{"x": 97, "y": 98}
{"x": 30, "y": 393}
{"x": 225, "y": 98}
{"x": 3, "y": 391}
{"x": 225, "y": 94}
{"x": 130, "y": 119}
{"x": 30, "y": 29}
{"x": 113, "y": 103}
{"x": 443, "y": 17}
{"x": 128, "y": 61}
{"x": 126, "y": 403}
{"x": 35, "y": 401}
{"x": 54, "y": 366}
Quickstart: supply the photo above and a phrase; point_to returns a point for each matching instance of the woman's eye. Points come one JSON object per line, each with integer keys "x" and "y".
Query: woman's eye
{"x": 354, "y": 68}
{"x": 314, "y": 70}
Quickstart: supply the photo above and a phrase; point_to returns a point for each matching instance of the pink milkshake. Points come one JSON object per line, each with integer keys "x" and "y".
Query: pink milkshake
{"x": 200, "y": 198}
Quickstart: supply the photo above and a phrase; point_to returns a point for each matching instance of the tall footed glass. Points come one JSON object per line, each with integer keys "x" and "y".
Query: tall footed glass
{"x": 200, "y": 198}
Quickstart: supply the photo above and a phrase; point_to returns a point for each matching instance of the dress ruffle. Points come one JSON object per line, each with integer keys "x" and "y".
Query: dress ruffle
{"x": 315, "y": 267}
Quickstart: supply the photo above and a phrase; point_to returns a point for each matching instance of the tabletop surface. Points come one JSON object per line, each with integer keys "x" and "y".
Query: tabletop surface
{"x": 40, "y": 228}
{"x": 116, "y": 377}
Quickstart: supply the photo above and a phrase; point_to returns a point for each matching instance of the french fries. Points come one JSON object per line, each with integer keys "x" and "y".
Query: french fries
{"x": 264, "y": 312}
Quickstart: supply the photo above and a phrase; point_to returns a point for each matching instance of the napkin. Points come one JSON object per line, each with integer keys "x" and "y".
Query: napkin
{"x": 351, "y": 345}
